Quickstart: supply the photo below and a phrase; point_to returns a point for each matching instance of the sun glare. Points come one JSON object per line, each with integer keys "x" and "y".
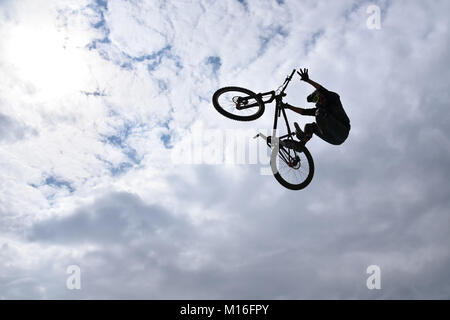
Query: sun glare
{"x": 43, "y": 58}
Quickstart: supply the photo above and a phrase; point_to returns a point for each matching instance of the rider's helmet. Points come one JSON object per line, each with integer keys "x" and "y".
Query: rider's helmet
{"x": 314, "y": 97}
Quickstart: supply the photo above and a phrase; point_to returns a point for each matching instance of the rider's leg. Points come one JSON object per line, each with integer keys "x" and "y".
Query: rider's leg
{"x": 332, "y": 130}
{"x": 302, "y": 136}
{"x": 306, "y": 135}
{"x": 311, "y": 128}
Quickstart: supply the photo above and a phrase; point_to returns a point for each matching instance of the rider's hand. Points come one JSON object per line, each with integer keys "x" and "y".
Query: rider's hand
{"x": 303, "y": 74}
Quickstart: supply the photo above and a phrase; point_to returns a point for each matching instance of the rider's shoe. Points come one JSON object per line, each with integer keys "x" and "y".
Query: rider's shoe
{"x": 299, "y": 133}
{"x": 304, "y": 138}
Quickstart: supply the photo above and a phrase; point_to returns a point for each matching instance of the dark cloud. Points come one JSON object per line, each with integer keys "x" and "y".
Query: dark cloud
{"x": 116, "y": 218}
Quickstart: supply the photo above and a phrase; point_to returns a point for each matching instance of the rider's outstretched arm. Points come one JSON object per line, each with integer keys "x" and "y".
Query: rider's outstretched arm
{"x": 302, "y": 111}
{"x": 314, "y": 84}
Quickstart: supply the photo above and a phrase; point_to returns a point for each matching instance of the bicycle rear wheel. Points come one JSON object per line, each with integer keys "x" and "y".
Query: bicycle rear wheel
{"x": 238, "y": 103}
{"x": 294, "y": 166}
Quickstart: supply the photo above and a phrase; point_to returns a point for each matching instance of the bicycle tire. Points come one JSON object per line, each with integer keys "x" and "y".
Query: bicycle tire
{"x": 305, "y": 182}
{"x": 238, "y": 117}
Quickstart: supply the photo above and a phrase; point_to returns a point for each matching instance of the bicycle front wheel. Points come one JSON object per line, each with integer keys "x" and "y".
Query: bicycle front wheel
{"x": 293, "y": 167}
{"x": 238, "y": 103}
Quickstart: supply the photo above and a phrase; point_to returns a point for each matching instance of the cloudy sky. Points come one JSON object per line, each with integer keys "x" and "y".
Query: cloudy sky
{"x": 97, "y": 96}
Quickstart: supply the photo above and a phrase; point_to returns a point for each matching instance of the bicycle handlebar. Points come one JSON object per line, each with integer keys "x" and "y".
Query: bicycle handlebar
{"x": 292, "y": 74}
{"x": 286, "y": 82}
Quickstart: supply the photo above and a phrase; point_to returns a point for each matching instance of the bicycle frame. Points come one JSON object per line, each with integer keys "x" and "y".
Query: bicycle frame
{"x": 279, "y": 110}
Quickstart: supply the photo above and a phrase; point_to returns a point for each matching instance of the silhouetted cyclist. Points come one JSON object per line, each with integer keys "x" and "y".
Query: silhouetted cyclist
{"x": 332, "y": 123}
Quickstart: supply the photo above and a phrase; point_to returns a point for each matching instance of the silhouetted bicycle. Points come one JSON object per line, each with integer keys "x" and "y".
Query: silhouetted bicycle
{"x": 291, "y": 162}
